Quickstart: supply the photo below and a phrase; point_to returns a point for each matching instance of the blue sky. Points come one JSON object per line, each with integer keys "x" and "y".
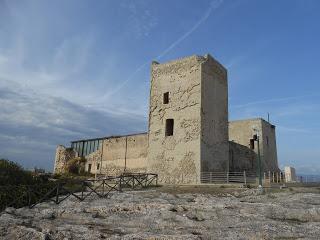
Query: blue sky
{"x": 78, "y": 69}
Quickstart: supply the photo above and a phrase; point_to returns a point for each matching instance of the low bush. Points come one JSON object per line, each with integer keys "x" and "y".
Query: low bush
{"x": 22, "y": 195}
{"x": 13, "y": 174}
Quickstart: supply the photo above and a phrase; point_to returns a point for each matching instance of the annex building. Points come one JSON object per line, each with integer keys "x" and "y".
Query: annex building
{"x": 188, "y": 133}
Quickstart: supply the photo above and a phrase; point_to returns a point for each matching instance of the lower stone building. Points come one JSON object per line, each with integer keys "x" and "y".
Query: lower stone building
{"x": 188, "y": 131}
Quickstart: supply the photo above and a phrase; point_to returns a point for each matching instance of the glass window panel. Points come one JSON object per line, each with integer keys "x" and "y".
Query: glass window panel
{"x": 81, "y": 149}
{"x": 90, "y": 147}
{"x": 85, "y": 148}
{"x": 94, "y": 146}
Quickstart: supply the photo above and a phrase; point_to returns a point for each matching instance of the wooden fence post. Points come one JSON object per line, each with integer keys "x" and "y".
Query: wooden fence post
{"x": 103, "y": 187}
{"x": 227, "y": 177}
{"x": 57, "y": 194}
{"x": 29, "y": 196}
{"x": 245, "y": 178}
{"x": 82, "y": 188}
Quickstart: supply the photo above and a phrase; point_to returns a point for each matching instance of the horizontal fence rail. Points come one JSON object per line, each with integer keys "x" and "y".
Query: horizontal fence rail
{"x": 228, "y": 177}
{"x": 308, "y": 178}
{"x": 58, "y": 191}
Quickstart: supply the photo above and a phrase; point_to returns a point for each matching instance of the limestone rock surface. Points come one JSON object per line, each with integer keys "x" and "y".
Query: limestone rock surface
{"x": 153, "y": 214}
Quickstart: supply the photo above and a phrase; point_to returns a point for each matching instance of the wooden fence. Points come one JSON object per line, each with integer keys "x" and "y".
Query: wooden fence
{"x": 81, "y": 189}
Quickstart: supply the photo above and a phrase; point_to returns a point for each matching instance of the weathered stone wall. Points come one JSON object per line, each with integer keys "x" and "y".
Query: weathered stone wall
{"x": 214, "y": 116}
{"x": 290, "y": 174}
{"x": 175, "y": 158}
{"x": 95, "y": 160}
{"x": 63, "y": 154}
{"x": 269, "y": 147}
{"x": 241, "y": 158}
{"x": 241, "y": 132}
{"x": 125, "y": 153}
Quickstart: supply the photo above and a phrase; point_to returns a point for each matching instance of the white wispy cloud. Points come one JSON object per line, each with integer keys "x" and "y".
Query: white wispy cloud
{"x": 273, "y": 100}
{"x": 213, "y": 5}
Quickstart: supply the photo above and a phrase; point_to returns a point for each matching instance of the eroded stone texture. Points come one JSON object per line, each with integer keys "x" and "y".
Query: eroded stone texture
{"x": 158, "y": 214}
{"x": 114, "y": 156}
{"x": 198, "y": 99}
{"x": 166, "y": 154}
{"x": 126, "y": 153}
{"x": 63, "y": 155}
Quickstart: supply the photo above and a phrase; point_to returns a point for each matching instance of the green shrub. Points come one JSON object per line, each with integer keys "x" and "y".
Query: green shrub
{"x": 22, "y": 195}
{"x": 13, "y": 174}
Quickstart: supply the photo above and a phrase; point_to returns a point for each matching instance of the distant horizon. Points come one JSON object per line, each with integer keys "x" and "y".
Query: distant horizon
{"x": 75, "y": 70}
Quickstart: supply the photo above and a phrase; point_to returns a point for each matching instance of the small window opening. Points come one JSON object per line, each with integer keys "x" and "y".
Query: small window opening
{"x": 89, "y": 168}
{"x": 98, "y": 166}
{"x": 169, "y": 127}
{"x": 267, "y": 140}
{"x": 166, "y": 98}
{"x": 251, "y": 143}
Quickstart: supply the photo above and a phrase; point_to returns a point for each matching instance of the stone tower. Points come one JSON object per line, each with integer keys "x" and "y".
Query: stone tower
{"x": 188, "y": 119}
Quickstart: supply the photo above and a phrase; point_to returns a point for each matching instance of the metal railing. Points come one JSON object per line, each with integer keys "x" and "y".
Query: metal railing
{"x": 273, "y": 177}
{"x": 228, "y": 177}
{"x": 308, "y": 178}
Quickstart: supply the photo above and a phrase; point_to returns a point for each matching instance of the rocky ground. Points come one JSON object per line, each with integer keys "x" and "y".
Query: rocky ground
{"x": 173, "y": 213}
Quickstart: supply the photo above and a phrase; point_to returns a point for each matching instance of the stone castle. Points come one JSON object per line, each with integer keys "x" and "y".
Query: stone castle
{"x": 188, "y": 134}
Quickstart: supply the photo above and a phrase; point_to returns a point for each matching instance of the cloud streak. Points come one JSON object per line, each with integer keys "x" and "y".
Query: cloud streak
{"x": 273, "y": 100}
{"x": 33, "y": 124}
{"x": 213, "y": 5}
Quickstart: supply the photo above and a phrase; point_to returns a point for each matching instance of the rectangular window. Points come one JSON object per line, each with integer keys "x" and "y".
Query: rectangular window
{"x": 166, "y": 98}
{"x": 89, "y": 168}
{"x": 169, "y": 127}
{"x": 267, "y": 140}
{"x": 98, "y": 166}
{"x": 251, "y": 143}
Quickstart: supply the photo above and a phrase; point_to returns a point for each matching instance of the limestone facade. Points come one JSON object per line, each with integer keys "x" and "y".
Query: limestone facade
{"x": 290, "y": 174}
{"x": 188, "y": 130}
{"x": 241, "y": 158}
{"x": 63, "y": 155}
{"x": 119, "y": 154}
{"x": 242, "y": 131}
